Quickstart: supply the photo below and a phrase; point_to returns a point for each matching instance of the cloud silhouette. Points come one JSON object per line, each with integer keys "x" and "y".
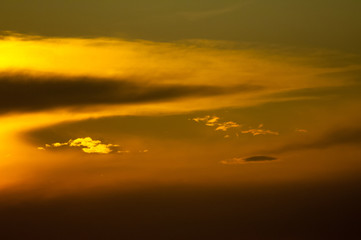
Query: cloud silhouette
{"x": 259, "y": 158}
{"x": 237, "y": 161}
{"x": 24, "y": 93}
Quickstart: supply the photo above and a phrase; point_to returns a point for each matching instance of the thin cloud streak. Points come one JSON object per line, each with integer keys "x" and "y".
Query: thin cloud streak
{"x": 252, "y": 159}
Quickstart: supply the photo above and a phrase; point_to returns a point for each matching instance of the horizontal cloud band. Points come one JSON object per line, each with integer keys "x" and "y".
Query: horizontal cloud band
{"x": 26, "y": 93}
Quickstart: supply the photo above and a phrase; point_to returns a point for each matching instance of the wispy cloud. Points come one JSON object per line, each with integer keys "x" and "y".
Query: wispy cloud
{"x": 300, "y": 130}
{"x": 253, "y": 159}
{"x": 209, "y": 121}
{"x": 224, "y": 126}
{"x": 213, "y": 122}
{"x": 259, "y": 131}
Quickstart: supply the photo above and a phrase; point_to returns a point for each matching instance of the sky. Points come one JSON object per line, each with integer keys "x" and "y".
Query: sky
{"x": 180, "y": 119}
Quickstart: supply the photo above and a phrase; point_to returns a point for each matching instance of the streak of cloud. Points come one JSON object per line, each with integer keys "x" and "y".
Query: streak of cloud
{"x": 47, "y": 92}
{"x": 253, "y": 159}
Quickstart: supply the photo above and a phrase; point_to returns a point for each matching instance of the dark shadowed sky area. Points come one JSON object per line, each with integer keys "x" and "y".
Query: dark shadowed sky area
{"x": 180, "y": 119}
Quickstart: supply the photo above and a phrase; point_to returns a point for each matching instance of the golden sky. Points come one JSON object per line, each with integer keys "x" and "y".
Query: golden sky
{"x": 188, "y": 112}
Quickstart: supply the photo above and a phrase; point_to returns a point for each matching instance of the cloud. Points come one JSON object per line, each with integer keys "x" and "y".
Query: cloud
{"x": 26, "y": 93}
{"x": 120, "y": 71}
{"x": 259, "y": 158}
{"x": 213, "y": 122}
{"x": 255, "y": 159}
{"x": 299, "y": 130}
{"x": 209, "y": 121}
{"x": 224, "y": 126}
{"x": 259, "y": 131}
{"x": 87, "y": 144}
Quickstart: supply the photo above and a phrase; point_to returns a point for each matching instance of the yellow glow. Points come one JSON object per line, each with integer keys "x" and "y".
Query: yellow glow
{"x": 161, "y": 63}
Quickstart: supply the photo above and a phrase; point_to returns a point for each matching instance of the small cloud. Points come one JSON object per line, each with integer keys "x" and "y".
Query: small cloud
{"x": 59, "y": 144}
{"x": 259, "y": 131}
{"x": 301, "y": 130}
{"x": 227, "y": 136}
{"x": 259, "y": 158}
{"x": 209, "y": 121}
{"x": 87, "y": 144}
{"x": 253, "y": 159}
{"x": 226, "y": 125}
{"x": 99, "y": 148}
{"x": 41, "y": 148}
{"x": 213, "y": 122}
{"x": 201, "y": 119}
{"x": 123, "y": 151}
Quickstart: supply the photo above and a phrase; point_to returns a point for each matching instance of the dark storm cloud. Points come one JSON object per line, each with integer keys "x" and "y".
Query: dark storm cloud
{"x": 259, "y": 158}
{"x": 24, "y": 93}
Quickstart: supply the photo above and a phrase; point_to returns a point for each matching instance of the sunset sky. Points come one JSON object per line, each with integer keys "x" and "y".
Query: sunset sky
{"x": 180, "y": 119}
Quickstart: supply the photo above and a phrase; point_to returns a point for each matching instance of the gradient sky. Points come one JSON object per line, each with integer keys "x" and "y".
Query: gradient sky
{"x": 180, "y": 119}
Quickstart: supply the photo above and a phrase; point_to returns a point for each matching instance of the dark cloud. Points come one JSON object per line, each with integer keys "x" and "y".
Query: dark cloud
{"x": 23, "y": 93}
{"x": 259, "y": 158}
{"x": 256, "y": 159}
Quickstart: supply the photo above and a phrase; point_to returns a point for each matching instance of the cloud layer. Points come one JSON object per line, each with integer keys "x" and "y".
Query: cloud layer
{"x": 23, "y": 93}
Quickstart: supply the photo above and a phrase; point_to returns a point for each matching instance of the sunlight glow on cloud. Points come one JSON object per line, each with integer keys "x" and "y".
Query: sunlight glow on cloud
{"x": 224, "y": 126}
{"x": 87, "y": 144}
{"x": 209, "y": 121}
{"x": 259, "y": 131}
{"x": 213, "y": 122}
{"x": 200, "y": 75}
